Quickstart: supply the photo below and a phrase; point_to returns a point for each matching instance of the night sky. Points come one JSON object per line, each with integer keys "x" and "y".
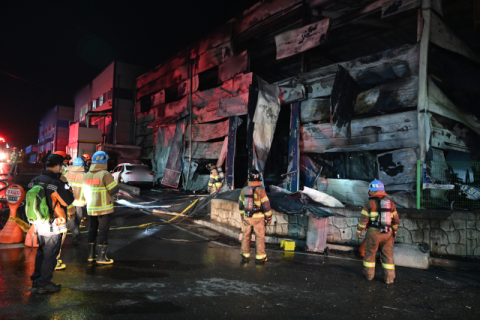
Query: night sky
{"x": 58, "y": 47}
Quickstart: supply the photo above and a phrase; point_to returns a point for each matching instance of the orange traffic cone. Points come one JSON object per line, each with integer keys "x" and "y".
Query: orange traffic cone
{"x": 11, "y": 232}
{"x": 31, "y": 238}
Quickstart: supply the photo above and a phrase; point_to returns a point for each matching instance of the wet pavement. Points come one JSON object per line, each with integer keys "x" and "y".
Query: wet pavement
{"x": 192, "y": 278}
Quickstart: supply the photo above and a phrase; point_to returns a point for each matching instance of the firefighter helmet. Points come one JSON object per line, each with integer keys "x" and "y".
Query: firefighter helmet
{"x": 100, "y": 157}
{"x": 78, "y": 162}
{"x": 86, "y": 157}
{"x": 254, "y": 175}
{"x": 61, "y": 153}
{"x": 376, "y": 185}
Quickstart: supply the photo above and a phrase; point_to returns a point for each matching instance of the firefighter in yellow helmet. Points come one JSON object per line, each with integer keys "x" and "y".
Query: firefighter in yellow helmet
{"x": 97, "y": 192}
{"x": 215, "y": 182}
{"x": 380, "y": 216}
{"x": 256, "y": 214}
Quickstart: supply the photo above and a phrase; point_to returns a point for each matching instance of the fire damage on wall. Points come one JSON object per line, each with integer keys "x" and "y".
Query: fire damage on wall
{"x": 321, "y": 94}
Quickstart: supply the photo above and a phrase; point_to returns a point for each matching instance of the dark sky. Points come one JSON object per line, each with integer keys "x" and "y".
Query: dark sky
{"x": 58, "y": 47}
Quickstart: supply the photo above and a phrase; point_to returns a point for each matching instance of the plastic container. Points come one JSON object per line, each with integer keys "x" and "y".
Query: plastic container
{"x": 287, "y": 245}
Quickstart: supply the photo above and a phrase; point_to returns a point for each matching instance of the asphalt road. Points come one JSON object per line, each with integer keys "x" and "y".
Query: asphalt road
{"x": 197, "y": 279}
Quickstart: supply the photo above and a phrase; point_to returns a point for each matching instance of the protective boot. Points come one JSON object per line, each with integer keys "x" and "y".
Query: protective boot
{"x": 389, "y": 276}
{"x": 91, "y": 252}
{"x": 102, "y": 255}
{"x": 261, "y": 261}
{"x": 245, "y": 257}
{"x": 369, "y": 273}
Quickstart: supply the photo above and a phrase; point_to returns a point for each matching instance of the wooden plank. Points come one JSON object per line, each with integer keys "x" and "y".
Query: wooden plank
{"x": 205, "y": 150}
{"x": 214, "y": 56}
{"x": 299, "y": 40}
{"x": 173, "y": 168}
{"x": 291, "y": 94}
{"x": 444, "y": 37}
{"x": 207, "y": 131}
{"x": 402, "y": 93}
{"x": 342, "y": 101}
{"x": 170, "y": 65}
{"x": 232, "y": 66}
{"x": 233, "y": 106}
{"x": 261, "y": 11}
{"x": 314, "y": 110}
{"x": 170, "y": 79}
{"x": 392, "y": 131}
{"x": 398, "y": 167}
{"x": 392, "y": 7}
{"x": 223, "y": 153}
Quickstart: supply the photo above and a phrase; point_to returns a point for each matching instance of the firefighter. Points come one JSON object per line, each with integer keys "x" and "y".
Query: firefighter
{"x": 98, "y": 189}
{"x": 75, "y": 179}
{"x": 255, "y": 211}
{"x": 51, "y": 234}
{"x": 214, "y": 183}
{"x": 66, "y": 159}
{"x": 88, "y": 160}
{"x": 380, "y": 216}
{"x": 17, "y": 155}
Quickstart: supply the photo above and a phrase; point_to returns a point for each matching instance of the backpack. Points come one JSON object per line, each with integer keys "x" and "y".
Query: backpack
{"x": 37, "y": 209}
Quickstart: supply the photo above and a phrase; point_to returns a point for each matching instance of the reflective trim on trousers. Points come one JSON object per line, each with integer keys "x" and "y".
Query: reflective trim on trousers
{"x": 260, "y": 256}
{"x": 369, "y": 264}
{"x": 246, "y": 255}
{"x": 388, "y": 266}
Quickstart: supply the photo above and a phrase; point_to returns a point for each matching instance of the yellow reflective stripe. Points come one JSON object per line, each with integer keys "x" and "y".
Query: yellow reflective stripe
{"x": 242, "y": 211}
{"x": 104, "y": 198}
{"x": 246, "y": 255}
{"x": 258, "y": 215}
{"x": 264, "y": 199}
{"x": 70, "y": 206}
{"x": 214, "y": 177}
{"x": 91, "y": 208}
{"x": 369, "y": 264}
{"x": 359, "y": 231}
{"x": 394, "y": 213}
{"x": 395, "y": 226}
{"x": 374, "y": 214}
{"x": 260, "y": 256}
{"x": 388, "y": 266}
{"x": 112, "y": 185}
{"x": 76, "y": 184}
{"x": 361, "y": 225}
{"x": 268, "y": 213}
{"x": 365, "y": 213}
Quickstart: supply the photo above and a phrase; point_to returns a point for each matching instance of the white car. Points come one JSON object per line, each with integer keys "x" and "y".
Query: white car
{"x": 132, "y": 173}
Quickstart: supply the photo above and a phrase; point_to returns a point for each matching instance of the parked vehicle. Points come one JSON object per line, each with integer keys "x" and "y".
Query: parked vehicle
{"x": 131, "y": 173}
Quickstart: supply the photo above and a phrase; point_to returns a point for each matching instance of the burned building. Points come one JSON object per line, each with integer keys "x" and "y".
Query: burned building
{"x": 322, "y": 93}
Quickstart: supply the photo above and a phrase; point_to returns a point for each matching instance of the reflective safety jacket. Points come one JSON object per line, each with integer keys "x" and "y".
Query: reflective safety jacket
{"x": 260, "y": 200}
{"x": 75, "y": 179}
{"x": 59, "y": 200}
{"x": 370, "y": 211}
{"x": 214, "y": 182}
{"x": 98, "y": 189}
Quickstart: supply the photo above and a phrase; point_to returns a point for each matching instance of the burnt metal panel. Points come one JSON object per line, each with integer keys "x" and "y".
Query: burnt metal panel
{"x": 314, "y": 110}
{"x": 233, "y": 106}
{"x": 398, "y": 167}
{"x": 392, "y": 7}
{"x": 292, "y": 179}
{"x": 207, "y": 131}
{"x": 309, "y": 171}
{"x": 233, "y": 124}
{"x": 342, "y": 102}
{"x": 173, "y": 168}
{"x": 299, "y": 40}
{"x": 232, "y": 66}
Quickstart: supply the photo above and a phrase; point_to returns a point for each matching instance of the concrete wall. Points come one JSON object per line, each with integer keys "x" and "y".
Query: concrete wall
{"x": 448, "y": 233}
{"x": 294, "y": 227}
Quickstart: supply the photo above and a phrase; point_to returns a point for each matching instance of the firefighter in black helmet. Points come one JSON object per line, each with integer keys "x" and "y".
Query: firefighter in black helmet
{"x": 256, "y": 214}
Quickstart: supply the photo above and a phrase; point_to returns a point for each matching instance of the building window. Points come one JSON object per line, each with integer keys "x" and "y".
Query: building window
{"x": 94, "y": 104}
{"x": 100, "y": 101}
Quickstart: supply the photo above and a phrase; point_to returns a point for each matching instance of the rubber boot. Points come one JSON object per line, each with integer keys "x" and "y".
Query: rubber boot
{"x": 261, "y": 261}
{"x": 369, "y": 273}
{"x": 102, "y": 255}
{"x": 91, "y": 252}
{"x": 389, "y": 276}
{"x": 245, "y": 258}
